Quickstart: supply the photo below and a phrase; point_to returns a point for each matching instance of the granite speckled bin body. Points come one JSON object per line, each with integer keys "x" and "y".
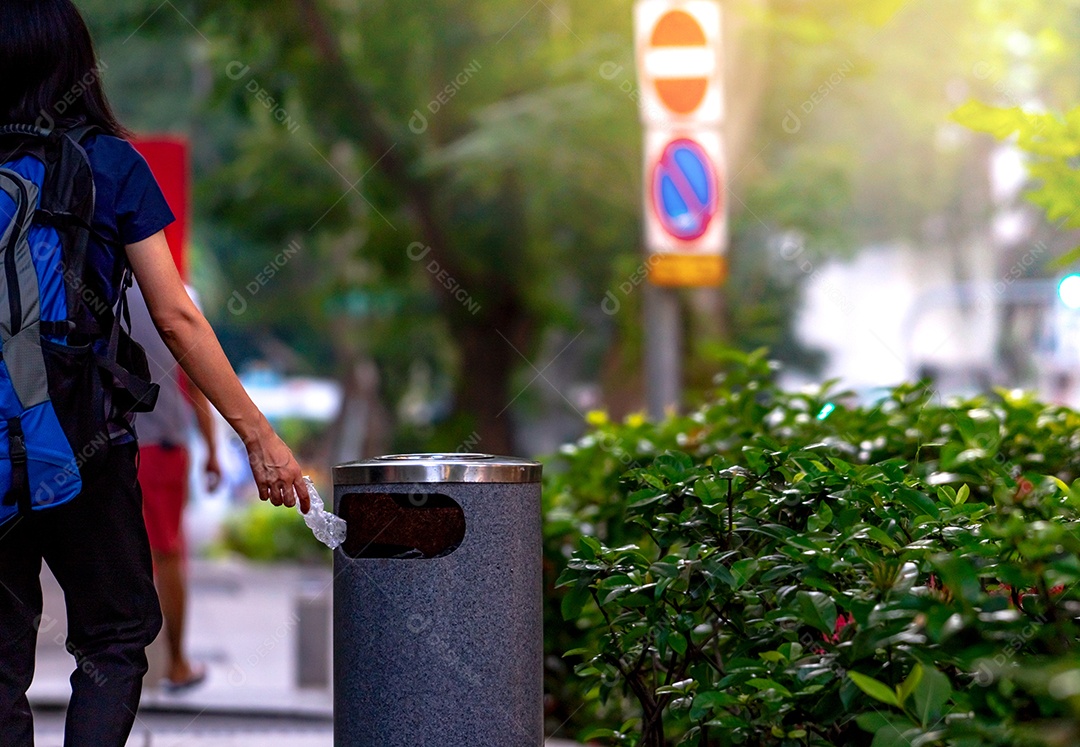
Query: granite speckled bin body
{"x": 444, "y": 651}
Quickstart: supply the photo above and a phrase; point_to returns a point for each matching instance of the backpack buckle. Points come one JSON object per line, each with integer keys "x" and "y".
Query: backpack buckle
{"x": 18, "y": 449}
{"x": 16, "y": 442}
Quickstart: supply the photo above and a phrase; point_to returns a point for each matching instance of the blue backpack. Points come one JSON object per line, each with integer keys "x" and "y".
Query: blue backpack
{"x": 69, "y": 370}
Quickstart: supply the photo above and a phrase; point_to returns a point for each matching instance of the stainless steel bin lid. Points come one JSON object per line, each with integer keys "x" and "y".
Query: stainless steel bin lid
{"x": 438, "y": 468}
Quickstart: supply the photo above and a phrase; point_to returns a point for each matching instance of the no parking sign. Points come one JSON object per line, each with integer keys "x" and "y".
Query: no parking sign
{"x": 685, "y": 207}
{"x": 685, "y": 190}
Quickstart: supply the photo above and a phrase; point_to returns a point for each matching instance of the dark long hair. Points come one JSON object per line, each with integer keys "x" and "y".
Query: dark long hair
{"x": 49, "y": 73}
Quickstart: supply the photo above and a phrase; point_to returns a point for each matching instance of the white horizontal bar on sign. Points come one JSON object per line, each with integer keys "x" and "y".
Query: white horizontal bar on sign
{"x": 680, "y": 62}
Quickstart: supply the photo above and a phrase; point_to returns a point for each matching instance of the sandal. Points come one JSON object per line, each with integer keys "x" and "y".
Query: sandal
{"x": 198, "y": 676}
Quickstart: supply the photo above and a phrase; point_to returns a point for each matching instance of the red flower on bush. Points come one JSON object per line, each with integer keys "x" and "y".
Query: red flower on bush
{"x": 842, "y": 621}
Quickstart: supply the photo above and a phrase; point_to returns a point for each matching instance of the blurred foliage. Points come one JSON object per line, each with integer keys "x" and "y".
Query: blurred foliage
{"x": 265, "y": 534}
{"x": 1052, "y": 142}
{"x": 529, "y": 158}
{"x": 781, "y": 568}
{"x": 302, "y": 434}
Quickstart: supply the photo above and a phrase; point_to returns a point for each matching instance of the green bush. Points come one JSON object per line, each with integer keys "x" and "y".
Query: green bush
{"x": 271, "y": 534}
{"x": 799, "y": 569}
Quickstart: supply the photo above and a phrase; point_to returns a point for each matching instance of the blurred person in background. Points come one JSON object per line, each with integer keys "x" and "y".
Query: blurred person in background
{"x": 163, "y": 476}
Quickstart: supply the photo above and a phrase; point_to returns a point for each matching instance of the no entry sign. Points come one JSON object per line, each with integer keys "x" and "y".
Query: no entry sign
{"x": 679, "y": 61}
{"x": 685, "y": 208}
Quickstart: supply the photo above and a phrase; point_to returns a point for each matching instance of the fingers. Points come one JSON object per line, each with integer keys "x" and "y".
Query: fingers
{"x": 264, "y": 490}
{"x": 279, "y": 495}
{"x": 288, "y": 497}
{"x": 286, "y": 493}
{"x": 278, "y": 475}
{"x": 302, "y": 493}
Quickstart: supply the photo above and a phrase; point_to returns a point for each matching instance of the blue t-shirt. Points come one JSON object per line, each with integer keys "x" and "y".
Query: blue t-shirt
{"x": 129, "y": 205}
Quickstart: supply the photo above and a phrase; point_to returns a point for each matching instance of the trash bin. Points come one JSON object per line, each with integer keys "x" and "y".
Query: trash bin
{"x": 438, "y": 625}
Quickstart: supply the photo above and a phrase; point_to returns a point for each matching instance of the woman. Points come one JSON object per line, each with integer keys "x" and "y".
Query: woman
{"x": 96, "y": 545}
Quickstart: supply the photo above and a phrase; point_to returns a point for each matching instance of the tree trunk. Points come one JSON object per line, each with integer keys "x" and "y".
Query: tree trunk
{"x": 483, "y": 391}
{"x": 361, "y": 428}
{"x": 491, "y": 349}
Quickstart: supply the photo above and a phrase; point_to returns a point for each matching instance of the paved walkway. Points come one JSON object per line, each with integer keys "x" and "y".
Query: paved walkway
{"x": 176, "y": 730}
{"x": 245, "y": 623}
{"x": 267, "y": 687}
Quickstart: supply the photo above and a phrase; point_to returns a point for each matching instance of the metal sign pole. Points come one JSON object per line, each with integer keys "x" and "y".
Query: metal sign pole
{"x": 663, "y": 350}
{"x": 678, "y": 44}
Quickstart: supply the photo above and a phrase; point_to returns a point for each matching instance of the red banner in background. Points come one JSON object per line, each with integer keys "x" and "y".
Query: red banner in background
{"x": 169, "y": 158}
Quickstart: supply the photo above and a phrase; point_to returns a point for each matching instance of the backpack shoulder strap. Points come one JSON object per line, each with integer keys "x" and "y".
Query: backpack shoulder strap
{"x": 67, "y": 203}
{"x": 79, "y": 134}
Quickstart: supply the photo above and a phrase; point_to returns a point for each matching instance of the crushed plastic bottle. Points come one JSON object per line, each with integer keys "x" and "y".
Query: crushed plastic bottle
{"x": 327, "y": 528}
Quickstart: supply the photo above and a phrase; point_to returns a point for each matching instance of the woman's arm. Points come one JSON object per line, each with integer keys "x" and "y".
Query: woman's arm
{"x": 196, "y": 348}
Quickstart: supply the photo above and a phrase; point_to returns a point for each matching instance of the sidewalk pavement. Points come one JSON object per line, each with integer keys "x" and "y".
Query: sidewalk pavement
{"x": 161, "y": 730}
{"x": 244, "y": 624}
{"x": 264, "y": 634}
{"x": 151, "y": 732}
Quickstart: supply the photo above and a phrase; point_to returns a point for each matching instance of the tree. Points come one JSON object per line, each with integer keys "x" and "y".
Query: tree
{"x": 464, "y": 177}
{"x": 1052, "y": 142}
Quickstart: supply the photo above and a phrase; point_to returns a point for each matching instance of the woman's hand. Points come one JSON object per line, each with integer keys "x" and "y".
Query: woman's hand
{"x": 277, "y": 473}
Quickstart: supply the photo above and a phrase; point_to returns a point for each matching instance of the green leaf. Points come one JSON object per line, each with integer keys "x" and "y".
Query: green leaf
{"x": 1001, "y": 123}
{"x": 643, "y": 498}
{"x": 599, "y": 733}
{"x": 896, "y": 733}
{"x": 762, "y": 685}
{"x": 822, "y": 519}
{"x": 917, "y": 502}
{"x": 664, "y": 570}
{"x": 931, "y": 695}
{"x": 962, "y": 495}
{"x": 653, "y": 480}
{"x": 817, "y": 610}
{"x": 742, "y": 571}
{"x": 709, "y": 491}
{"x": 710, "y": 702}
{"x": 904, "y": 690}
{"x": 878, "y": 535}
{"x": 877, "y": 690}
{"x": 574, "y": 601}
{"x": 959, "y": 576}
{"x": 615, "y": 593}
{"x": 1067, "y": 259}
{"x": 873, "y": 721}
{"x": 679, "y": 688}
{"x": 588, "y": 548}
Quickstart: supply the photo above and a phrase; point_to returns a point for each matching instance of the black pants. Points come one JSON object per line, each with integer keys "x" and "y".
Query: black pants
{"x": 96, "y": 547}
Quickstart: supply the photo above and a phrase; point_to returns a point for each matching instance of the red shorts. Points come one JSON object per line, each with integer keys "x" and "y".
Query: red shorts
{"x": 163, "y": 476}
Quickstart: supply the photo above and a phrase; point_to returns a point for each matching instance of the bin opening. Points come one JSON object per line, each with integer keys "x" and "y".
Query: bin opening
{"x": 406, "y": 526}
